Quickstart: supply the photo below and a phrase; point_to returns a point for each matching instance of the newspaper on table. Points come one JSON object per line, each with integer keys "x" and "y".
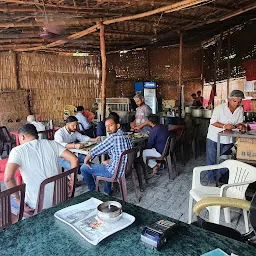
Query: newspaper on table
{"x": 83, "y": 218}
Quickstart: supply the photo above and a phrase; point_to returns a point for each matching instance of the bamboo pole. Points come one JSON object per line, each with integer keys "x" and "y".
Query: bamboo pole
{"x": 104, "y": 72}
{"x": 16, "y": 70}
{"x": 170, "y": 8}
{"x": 180, "y": 75}
{"x": 228, "y": 65}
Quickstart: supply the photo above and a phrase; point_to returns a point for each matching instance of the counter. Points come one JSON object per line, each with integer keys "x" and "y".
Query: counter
{"x": 44, "y": 235}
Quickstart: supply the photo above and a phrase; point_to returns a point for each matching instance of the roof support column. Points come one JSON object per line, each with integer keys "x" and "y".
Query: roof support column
{"x": 104, "y": 71}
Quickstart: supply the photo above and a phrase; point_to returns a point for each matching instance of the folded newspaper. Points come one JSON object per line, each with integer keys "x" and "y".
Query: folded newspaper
{"x": 83, "y": 218}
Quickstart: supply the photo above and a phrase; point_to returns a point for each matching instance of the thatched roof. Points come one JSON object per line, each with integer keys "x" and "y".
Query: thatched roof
{"x": 128, "y": 23}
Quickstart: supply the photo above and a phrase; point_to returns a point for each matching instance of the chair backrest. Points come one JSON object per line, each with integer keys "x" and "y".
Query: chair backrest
{"x": 128, "y": 156}
{"x": 4, "y": 134}
{"x": 239, "y": 172}
{"x": 5, "y": 205}
{"x": 169, "y": 145}
{"x": 42, "y": 135}
{"x": 60, "y": 191}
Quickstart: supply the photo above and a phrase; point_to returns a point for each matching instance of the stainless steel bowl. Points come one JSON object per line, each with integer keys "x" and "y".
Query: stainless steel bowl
{"x": 188, "y": 110}
{"x": 110, "y": 211}
{"x": 197, "y": 112}
{"x": 207, "y": 113}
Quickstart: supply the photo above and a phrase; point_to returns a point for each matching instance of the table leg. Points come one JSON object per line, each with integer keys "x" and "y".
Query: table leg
{"x": 218, "y": 150}
{"x": 218, "y": 160}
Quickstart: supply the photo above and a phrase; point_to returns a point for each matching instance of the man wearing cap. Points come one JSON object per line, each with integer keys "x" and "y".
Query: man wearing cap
{"x": 142, "y": 113}
{"x": 226, "y": 116}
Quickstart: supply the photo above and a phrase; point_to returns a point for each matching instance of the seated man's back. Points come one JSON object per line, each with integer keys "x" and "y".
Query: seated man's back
{"x": 38, "y": 160}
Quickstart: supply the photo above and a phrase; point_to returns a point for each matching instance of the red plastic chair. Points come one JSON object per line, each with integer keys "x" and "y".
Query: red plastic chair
{"x": 129, "y": 169}
{"x": 3, "y": 163}
{"x": 6, "y": 216}
{"x": 61, "y": 191}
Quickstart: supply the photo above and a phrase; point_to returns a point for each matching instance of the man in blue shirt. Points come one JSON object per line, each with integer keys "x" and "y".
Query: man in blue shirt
{"x": 156, "y": 143}
{"x": 114, "y": 145}
{"x": 101, "y": 128}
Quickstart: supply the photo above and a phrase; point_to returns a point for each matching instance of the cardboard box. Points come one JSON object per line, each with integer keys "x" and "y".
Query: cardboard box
{"x": 246, "y": 149}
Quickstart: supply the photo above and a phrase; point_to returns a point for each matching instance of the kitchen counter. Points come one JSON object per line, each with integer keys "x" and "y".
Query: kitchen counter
{"x": 44, "y": 235}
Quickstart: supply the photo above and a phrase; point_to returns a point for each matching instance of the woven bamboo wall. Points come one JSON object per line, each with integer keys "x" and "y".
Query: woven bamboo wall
{"x": 56, "y": 81}
{"x": 13, "y": 108}
{"x": 7, "y": 71}
{"x": 156, "y": 64}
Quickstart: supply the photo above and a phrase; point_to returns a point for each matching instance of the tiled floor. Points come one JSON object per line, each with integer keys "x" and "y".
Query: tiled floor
{"x": 170, "y": 198}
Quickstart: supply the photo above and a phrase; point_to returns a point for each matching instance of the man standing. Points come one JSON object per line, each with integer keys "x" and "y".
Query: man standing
{"x": 114, "y": 145}
{"x": 142, "y": 112}
{"x": 226, "y": 116}
{"x": 70, "y": 138}
{"x": 199, "y": 97}
{"x": 156, "y": 143}
{"x": 37, "y": 160}
{"x": 196, "y": 101}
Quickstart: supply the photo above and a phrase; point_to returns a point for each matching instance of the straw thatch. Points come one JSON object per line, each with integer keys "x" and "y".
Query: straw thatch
{"x": 129, "y": 24}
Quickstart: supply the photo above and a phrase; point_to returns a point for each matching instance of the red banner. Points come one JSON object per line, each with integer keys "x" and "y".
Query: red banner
{"x": 250, "y": 69}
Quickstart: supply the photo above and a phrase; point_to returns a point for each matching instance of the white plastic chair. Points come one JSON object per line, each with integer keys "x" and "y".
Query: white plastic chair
{"x": 240, "y": 176}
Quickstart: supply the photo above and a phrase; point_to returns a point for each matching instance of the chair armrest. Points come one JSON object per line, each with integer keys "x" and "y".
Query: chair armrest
{"x": 197, "y": 170}
{"x": 224, "y": 188}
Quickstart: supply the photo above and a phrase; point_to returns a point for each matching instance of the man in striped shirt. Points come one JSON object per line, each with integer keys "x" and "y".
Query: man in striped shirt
{"x": 114, "y": 145}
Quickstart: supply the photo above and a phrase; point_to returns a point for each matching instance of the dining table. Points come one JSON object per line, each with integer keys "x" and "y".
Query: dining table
{"x": 43, "y": 234}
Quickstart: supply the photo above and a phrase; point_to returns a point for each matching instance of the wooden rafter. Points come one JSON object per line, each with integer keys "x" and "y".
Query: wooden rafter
{"x": 173, "y": 7}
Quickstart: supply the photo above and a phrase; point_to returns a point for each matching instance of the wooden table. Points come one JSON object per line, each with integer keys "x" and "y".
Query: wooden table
{"x": 43, "y": 234}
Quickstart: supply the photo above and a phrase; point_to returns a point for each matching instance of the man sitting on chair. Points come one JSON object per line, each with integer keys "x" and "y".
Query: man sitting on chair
{"x": 68, "y": 136}
{"x": 39, "y": 126}
{"x": 114, "y": 145}
{"x": 37, "y": 160}
{"x": 156, "y": 143}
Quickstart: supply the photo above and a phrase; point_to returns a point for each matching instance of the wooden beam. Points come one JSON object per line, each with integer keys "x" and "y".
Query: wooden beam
{"x": 225, "y": 17}
{"x": 103, "y": 73}
{"x": 25, "y": 40}
{"x": 41, "y": 24}
{"x": 121, "y": 34}
{"x": 172, "y": 7}
{"x": 17, "y": 46}
{"x": 37, "y": 3}
{"x": 240, "y": 11}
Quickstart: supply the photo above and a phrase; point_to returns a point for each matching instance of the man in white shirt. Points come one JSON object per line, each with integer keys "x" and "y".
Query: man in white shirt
{"x": 39, "y": 126}
{"x": 37, "y": 160}
{"x": 226, "y": 116}
{"x": 70, "y": 138}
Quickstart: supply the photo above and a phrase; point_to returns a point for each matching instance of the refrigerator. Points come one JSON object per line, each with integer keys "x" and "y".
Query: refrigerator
{"x": 148, "y": 90}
